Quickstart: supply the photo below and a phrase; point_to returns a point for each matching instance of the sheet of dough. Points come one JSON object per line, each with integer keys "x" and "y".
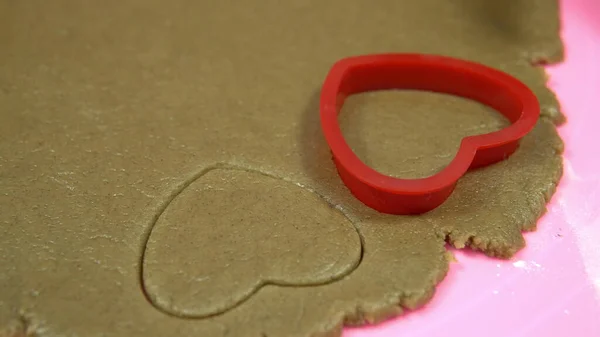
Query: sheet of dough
{"x": 162, "y": 170}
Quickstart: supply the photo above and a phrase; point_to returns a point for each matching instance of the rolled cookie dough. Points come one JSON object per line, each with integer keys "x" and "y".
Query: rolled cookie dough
{"x": 112, "y": 113}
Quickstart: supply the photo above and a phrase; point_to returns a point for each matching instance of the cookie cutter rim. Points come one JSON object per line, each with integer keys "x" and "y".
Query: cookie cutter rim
{"x": 435, "y": 73}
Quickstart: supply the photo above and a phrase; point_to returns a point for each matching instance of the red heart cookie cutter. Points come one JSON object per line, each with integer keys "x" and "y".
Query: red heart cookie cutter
{"x": 434, "y": 73}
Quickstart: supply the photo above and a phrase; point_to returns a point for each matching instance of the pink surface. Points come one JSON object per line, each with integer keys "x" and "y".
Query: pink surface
{"x": 552, "y": 287}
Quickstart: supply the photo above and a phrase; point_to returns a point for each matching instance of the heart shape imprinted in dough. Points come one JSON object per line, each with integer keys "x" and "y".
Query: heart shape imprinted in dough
{"x": 491, "y": 87}
{"x": 229, "y": 231}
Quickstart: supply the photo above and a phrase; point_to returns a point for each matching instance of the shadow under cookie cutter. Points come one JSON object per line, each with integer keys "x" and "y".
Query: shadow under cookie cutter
{"x": 483, "y": 84}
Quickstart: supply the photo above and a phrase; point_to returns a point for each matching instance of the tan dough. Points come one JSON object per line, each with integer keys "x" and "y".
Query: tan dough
{"x": 163, "y": 172}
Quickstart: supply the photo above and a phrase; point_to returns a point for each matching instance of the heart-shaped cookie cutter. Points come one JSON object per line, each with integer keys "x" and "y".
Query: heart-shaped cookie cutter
{"x": 474, "y": 81}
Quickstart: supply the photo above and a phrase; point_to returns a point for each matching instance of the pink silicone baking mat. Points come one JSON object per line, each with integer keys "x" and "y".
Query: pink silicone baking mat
{"x": 552, "y": 287}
